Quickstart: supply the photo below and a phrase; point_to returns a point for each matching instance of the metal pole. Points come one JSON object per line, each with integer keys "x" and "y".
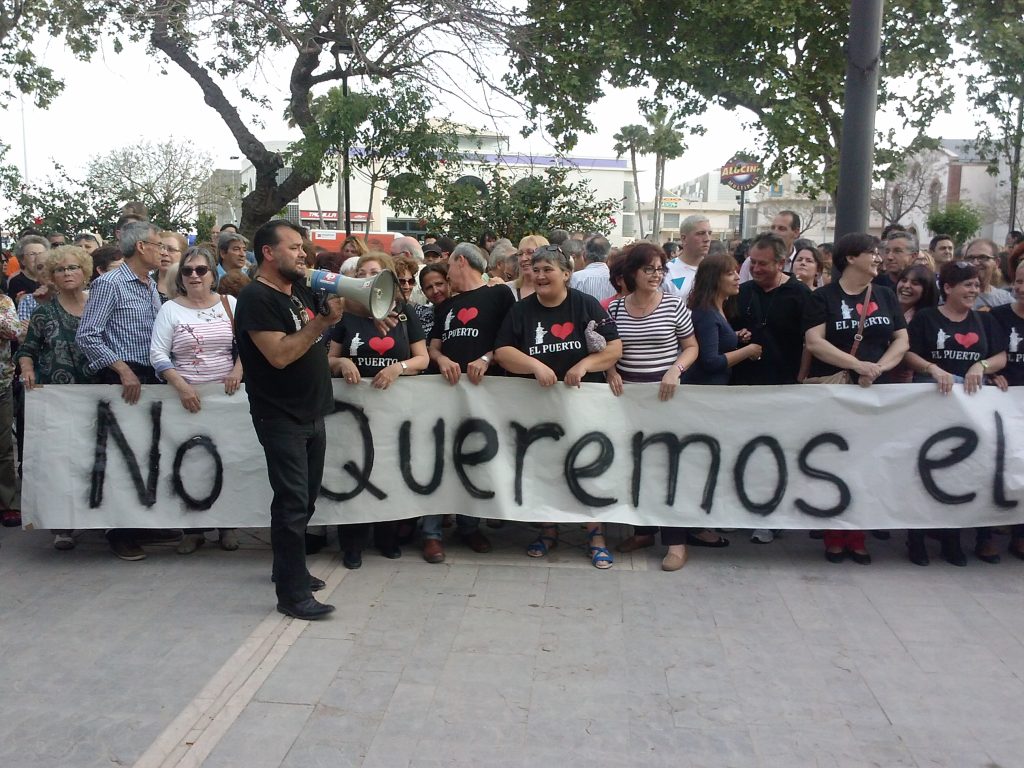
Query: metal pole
{"x": 344, "y": 165}
{"x": 856, "y": 157}
{"x": 743, "y": 200}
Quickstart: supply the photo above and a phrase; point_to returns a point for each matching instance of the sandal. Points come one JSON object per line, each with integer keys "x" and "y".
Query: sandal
{"x": 543, "y": 543}
{"x": 599, "y": 556}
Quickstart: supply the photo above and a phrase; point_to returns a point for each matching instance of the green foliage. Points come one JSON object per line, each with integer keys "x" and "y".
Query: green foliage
{"x": 77, "y": 23}
{"x": 636, "y": 140}
{"x": 389, "y": 134}
{"x": 780, "y": 60}
{"x": 205, "y": 222}
{"x": 960, "y": 221}
{"x": 513, "y": 207}
{"x": 165, "y": 177}
{"x": 990, "y": 32}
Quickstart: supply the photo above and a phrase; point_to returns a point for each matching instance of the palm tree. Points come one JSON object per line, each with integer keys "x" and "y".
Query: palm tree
{"x": 666, "y": 142}
{"x": 635, "y": 139}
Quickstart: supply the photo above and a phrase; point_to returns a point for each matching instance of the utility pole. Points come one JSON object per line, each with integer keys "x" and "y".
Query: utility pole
{"x": 856, "y": 158}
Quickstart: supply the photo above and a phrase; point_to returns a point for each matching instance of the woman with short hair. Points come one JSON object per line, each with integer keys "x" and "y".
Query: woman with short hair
{"x": 527, "y": 247}
{"x": 434, "y": 284}
{"x": 360, "y": 351}
{"x": 49, "y": 353}
{"x": 558, "y": 334}
{"x": 193, "y": 343}
{"x": 855, "y": 332}
{"x": 952, "y": 344}
{"x": 172, "y": 246}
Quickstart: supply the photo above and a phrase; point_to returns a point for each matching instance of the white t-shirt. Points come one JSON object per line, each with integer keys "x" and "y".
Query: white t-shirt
{"x": 679, "y": 278}
{"x": 195, "y": 342}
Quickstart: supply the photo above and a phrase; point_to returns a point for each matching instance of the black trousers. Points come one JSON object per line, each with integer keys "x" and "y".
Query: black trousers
{"x": 295, "y": 467}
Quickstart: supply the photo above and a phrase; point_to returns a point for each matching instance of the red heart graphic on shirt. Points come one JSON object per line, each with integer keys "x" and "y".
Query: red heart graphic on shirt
{"x": 381, "y": 344}
{"x": 562, "y": 330}
{"x": 966, "y": 340}
{"x": 872, "y": 307}
{"x": 467, "y": 314}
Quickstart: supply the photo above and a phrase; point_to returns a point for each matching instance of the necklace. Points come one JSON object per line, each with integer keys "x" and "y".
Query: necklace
{"x": 264, "y": 280}
{"x": 643, "y": 311}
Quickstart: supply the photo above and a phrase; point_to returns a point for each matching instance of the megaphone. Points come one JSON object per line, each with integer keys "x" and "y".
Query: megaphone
{"x": 376, "y": 294}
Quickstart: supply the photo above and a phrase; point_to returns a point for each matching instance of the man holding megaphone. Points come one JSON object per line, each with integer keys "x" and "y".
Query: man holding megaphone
{"x": 279, "y": 325}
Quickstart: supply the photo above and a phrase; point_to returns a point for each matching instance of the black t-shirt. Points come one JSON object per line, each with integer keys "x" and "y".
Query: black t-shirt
{"x": 775, "y": 321}
{"x": 840, "y": 313}
{"x": 468, "y": 323}
{"x": 1009, "y": 327}
{"x": 555, "y": 335}
{"x": 954, "y": 347}
{"x": 363, "y": 344}
{"x": 300, "y": 391}
{"x": 21, "y": 284}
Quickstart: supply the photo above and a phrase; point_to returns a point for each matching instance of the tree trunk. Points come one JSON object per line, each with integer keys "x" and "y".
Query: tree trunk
{"x": 1015, "y": 169}
{"x": 659, "y": 171}
{"x": 636, "y": 192}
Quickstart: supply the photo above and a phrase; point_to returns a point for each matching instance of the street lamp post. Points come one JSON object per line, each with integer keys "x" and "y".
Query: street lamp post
{"x": 345, "y": 46}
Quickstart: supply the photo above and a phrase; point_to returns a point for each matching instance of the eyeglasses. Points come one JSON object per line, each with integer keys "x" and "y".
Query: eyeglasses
{"x": 649, "y": 270}
{"x": 68, "y": 268}
{"x": 169, "y": 248}
{"x": 201, "y": 270}
{"x": 155, "y": 245}
{"x": 407, "y": 280}
{"x": 979, "y": 259}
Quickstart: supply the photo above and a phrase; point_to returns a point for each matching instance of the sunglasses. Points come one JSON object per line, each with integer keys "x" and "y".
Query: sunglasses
{"x": 407, "y": 280}
{"x": 201, "y": 270}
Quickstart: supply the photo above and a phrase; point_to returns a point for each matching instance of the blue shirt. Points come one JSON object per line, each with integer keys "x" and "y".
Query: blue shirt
{"x": 118, "y": 319}
{"x": 715, "y": 337}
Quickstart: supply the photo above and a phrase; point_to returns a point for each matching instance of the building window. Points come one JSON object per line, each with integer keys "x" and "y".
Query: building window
{"x": 629, "y": 195}
{"x": 406, "y": 227}
{"x": 671, "y": 221}
{"x": 628, "y": 225}
{"x": 472, "y": 181}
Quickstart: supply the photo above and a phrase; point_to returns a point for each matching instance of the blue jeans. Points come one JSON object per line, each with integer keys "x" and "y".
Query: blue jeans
{"x": 432, "y": 525}
{"x": 295, "y": 468}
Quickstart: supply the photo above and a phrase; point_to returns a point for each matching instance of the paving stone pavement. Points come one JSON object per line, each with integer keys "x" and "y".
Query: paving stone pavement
{"x": 754, "y": 655}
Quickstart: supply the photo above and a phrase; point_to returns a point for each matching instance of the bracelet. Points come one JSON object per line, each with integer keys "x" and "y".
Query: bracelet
{"x": 681, "y": 368}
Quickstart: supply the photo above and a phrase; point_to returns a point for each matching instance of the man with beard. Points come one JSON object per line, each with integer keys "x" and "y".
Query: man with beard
{"x": 288, "y": 383}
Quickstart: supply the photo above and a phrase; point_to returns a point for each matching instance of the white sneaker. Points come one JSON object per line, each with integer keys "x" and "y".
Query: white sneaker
{"x": 63, "y": 542}
{"x": 762, "y": 536}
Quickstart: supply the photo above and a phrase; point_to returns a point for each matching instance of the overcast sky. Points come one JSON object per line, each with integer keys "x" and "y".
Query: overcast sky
{"x": 118, "y": 98}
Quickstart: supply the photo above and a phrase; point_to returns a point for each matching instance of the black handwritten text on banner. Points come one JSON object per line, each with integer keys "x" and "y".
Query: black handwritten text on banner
{"x": 898, "y": 456}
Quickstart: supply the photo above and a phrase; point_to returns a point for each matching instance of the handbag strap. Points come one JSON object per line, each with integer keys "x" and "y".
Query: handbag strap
{"x": 227, "y": 308}
{"x": 859, "y": 336}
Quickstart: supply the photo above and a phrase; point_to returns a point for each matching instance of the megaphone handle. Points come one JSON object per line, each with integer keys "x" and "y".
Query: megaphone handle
{"x": 321, "y": 303}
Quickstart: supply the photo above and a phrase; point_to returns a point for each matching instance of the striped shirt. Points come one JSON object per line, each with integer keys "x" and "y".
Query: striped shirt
{"x": 118, "y": 319}
{"x": 27, "y": 306}
{"x": 196, "y": 343}
{"x": 593, "y": 279}
{"x": 651, "y": 344}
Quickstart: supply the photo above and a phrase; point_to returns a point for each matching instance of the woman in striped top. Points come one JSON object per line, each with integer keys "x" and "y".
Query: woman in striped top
{"x": 658, "y": 345}
{"x": 192, "y": 343}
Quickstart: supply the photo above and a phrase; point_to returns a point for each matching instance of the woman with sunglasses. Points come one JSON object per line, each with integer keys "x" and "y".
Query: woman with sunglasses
{"x": 49, "y": 354}
{"x": 954, "y": 344}
{"x": 360, "y": 351}
{"x": 193, "y": 343}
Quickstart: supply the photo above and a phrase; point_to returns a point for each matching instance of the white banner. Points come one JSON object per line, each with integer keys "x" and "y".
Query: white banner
{"x": 897, "y": 456}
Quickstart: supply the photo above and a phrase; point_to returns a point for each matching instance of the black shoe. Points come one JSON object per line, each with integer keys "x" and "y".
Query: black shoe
{"x": 315, "y": 584}
{"x": 392, "y": 552}
{"x": 861, "y": 558}
{"x": 954, "y": 555}
{"x": 917, "y": 552}
{"x": 835, "y": 557}
{"x": 352, "y": 559}
{"x": 308, "y": 609}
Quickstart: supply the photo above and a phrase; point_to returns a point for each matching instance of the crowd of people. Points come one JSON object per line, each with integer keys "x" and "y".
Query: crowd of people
{"x": 564, "y": 307}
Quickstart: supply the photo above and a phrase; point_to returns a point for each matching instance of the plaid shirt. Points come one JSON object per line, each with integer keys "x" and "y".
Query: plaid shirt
{"x": 118, "y": 319}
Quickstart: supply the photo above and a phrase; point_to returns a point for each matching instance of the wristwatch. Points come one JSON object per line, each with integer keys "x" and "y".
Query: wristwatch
{"x": 486, "y": 359}
{"x": 404, "y": 366}
{"x": 682, "y": 369}
{"x": 983, "y": 364}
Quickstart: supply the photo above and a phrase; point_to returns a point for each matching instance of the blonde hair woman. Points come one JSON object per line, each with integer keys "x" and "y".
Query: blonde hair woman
{"x": 527, "y": 247}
